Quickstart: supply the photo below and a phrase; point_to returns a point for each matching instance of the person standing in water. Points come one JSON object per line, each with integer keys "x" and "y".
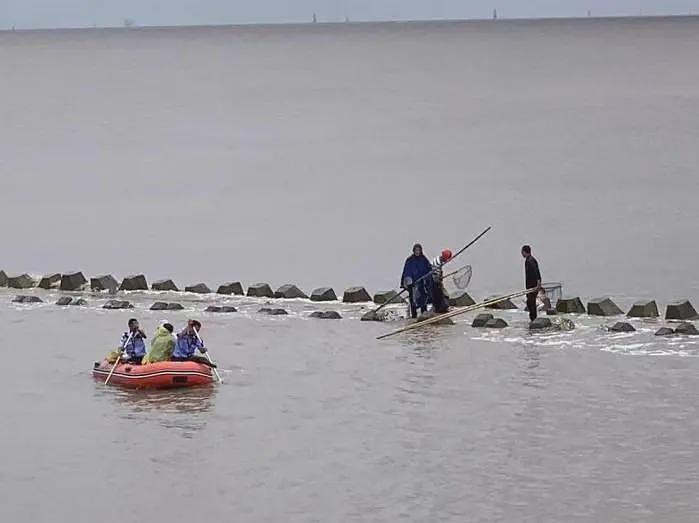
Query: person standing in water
{"x": 413, "y": 279}
{"x": 532, "y": 277}
{"x": 440, "y": 302}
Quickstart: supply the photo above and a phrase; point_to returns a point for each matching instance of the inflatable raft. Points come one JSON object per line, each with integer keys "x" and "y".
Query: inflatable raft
{"x": 162, "y": 375}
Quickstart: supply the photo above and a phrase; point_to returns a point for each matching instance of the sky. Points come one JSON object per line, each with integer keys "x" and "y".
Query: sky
{"x": 30, "y": 14}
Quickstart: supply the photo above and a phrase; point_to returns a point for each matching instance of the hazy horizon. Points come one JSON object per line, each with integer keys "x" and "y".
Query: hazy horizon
{"x": 50, "y": 14}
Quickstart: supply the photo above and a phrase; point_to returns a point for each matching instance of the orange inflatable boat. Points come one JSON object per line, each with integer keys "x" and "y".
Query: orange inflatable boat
{"x": 161, "y": 375}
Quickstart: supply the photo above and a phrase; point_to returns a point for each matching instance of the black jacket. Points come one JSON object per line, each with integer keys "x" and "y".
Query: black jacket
{"x": 531, "y": 272}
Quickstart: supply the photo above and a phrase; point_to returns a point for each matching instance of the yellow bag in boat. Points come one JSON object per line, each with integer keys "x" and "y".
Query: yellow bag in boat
{"x": 113, "y": 356}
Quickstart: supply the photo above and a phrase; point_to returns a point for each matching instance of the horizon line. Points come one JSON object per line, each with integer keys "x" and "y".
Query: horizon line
{"x": 351, "y": 22}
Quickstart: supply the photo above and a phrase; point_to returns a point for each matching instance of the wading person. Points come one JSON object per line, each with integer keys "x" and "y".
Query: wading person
{"x": 413, "y": 279}
{"x": 440, "y": 302}
{"x": 532, "y": 278}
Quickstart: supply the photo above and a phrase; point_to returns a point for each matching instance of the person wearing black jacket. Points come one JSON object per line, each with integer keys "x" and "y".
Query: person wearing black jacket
{"x": 532, "y": 277}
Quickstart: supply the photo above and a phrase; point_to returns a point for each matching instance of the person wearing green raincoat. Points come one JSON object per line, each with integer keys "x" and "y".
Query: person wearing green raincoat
{"x": 161, "y": 346}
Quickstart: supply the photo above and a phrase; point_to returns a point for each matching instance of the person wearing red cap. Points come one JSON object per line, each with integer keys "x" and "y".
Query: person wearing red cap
{"x": 440, "y": 301}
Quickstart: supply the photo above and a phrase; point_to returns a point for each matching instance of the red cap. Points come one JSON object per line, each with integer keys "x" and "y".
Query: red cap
{"x": 446, "y": 255}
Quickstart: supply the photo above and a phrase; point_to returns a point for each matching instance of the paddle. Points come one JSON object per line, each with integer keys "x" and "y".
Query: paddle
{"x": 456, "y": 312}
{"x": 123, "y": 346}
{"x": 220, "y": 380}
{"x": 399, "y": 294}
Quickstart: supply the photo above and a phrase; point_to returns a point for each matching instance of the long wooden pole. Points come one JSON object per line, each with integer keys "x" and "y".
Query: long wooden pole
{"x": 118, "y": 358}
{"x": 456, "y": 312}
{"x": 398, "y": 294}
{"x": 220, "y": 380}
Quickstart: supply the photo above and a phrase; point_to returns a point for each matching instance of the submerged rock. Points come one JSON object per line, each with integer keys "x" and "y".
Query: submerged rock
{"x": 603, "y": 307}
{"x": 323, "y": 294}
{"x": 233, "y": 287}
{"x": 383, "y": 296}
{"x": 686, "y": 328}
{"x": 541, "y": 323}
{"x": 65, "y": 300}
{"x": 272, "y": 312}
{"x": 159, "y": 306}
{"x": 431, "y": 314}
{"x": 664, "y": 331}
{"x": 461, "y": 299}
{"x": 570, "y": 306}
{"x": 372, "y": 316}
{"x": 326, "y": 315}
{"x": 27, "y": 299}
{"x": 502, "y": 305}
{"x": 290, "y": 292}
{"x": 106, "y": 282}
{"x": 3, "y": 279}
{"x": 680, "y": 310}
{"x": 164, "y": 285}
{"x": 496, "y": 323}
{"x": 622, "y": 326}
{"x": 355, "y": 295}
{"x": 173, "y": 306}
{"x": 260, "y": 290}
{"x": 50, "y": 281}
{"x": 563, "y": 324}
{"x": 136, "y": 282}
{"x": 79, "y": 301}
{"x": 643, "y": 309}
{"x": 23, "y": 281}
{"x": 117, "y": 304}
{"x": 480, "y": 320}
{"x": 198, "y": 288}
{"x": 72, "y": 281}
{"x": 217, "y": 308}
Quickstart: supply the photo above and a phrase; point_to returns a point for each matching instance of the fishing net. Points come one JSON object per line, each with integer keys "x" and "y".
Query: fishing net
{"x": 458, "y": 280}
{"x": 549, "y": 295}
{"x": 554, "y": 291}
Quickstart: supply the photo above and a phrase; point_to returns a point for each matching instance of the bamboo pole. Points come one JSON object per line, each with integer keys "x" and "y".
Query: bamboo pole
{"x": 456, "y": 312}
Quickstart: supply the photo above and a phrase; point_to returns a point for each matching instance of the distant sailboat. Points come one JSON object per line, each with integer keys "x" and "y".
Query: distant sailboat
{"x": 315, "y": 18}
{"x": 495, "y": 14}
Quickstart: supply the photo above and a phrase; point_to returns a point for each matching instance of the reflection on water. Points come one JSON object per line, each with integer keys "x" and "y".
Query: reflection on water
{"x": 186, "y": 409}
{"x": 187, "y": 400}
{"x": 172, "y": 401}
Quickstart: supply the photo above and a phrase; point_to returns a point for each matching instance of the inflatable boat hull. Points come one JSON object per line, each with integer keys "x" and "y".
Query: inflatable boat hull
{"x": 162, "y": 375}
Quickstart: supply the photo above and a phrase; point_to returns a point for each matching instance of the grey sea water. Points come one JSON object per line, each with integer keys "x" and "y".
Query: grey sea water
{"x": 318, "y": 155}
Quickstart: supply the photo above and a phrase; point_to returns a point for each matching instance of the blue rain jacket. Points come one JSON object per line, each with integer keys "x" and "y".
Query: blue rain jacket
{"x": 415, "y": 268}
{"x": 136, "y": 347}
{"x": 185, "y": 345}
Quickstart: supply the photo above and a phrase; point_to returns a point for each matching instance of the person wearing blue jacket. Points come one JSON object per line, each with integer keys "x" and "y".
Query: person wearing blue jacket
{"x": 419, "y": 287}
{"x": 133, "y": 343}
{"x": 187, "y": 342}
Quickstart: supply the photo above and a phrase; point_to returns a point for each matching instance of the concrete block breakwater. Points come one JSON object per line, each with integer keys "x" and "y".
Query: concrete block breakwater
{"x": 75, "y": 281}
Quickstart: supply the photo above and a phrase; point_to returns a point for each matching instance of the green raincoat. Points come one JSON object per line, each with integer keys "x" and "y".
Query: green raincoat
{"x": 161, "y": 347}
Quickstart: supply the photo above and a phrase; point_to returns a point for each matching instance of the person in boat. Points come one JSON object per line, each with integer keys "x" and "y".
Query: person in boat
{"x": 133, "y": 343}
{"x": 532, "y": 277}
{"x": 187, "y": 342}
{"x": 414, "y": 280}
{"x": 161, "y": 346}
{"x": 440, "y": 301}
